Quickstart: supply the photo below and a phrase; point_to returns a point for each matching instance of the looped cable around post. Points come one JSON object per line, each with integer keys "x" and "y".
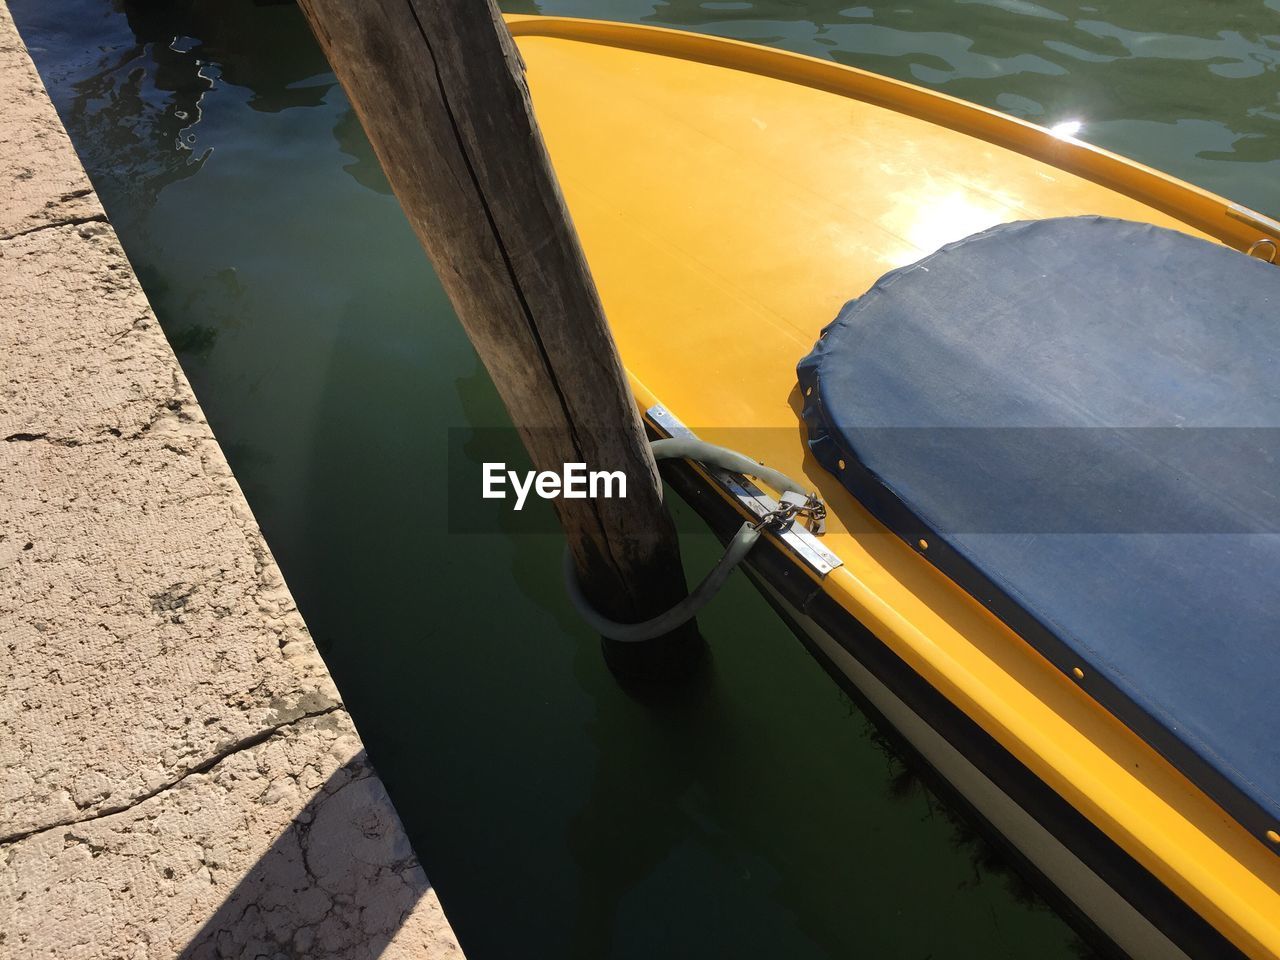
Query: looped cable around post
{"x": 799, "y": 501}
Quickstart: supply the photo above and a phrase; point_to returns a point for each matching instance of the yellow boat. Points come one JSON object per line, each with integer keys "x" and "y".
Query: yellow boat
{"x": 730, "y": 199}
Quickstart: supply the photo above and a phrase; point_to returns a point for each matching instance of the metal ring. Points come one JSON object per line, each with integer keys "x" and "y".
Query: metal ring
{"x": 1269, "y": 242}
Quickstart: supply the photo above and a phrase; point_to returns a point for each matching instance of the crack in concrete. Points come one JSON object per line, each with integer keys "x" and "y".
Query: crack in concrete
{"x": 54, "y": 224}
{"x": 34, "y": 437}
{"x": 174, "y": 405}
{"x": 237, "y": 746}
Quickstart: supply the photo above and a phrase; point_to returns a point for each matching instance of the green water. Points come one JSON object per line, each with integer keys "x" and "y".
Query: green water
{"x": 556, "y": 817}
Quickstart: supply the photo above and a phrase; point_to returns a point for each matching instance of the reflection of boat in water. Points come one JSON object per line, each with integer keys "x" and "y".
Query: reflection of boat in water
{"x": 1101, "y": 702}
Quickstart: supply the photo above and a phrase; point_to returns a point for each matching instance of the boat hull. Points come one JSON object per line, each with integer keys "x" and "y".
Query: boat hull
{"x": 729, "y": 198}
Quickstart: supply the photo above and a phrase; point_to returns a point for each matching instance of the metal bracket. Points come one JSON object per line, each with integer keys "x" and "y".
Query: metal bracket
{"x": 1269, "y": 227}
{"x": 799, "y": 541}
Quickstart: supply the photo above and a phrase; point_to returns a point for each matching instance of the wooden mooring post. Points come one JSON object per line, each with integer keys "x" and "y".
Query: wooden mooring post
{"x": 439, "y": 87}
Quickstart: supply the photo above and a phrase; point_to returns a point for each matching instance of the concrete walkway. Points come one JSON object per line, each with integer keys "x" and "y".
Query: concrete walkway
{"x": 177, "y": 774}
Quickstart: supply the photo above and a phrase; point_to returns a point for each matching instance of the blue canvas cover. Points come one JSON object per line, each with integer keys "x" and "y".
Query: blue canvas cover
{"x": 1078, "y": 416}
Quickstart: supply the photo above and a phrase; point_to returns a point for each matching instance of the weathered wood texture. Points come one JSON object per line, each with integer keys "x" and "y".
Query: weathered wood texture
{"x": 439, "y": 87}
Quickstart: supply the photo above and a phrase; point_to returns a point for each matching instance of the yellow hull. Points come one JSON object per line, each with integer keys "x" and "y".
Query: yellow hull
{"x": 730, "y": 199}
